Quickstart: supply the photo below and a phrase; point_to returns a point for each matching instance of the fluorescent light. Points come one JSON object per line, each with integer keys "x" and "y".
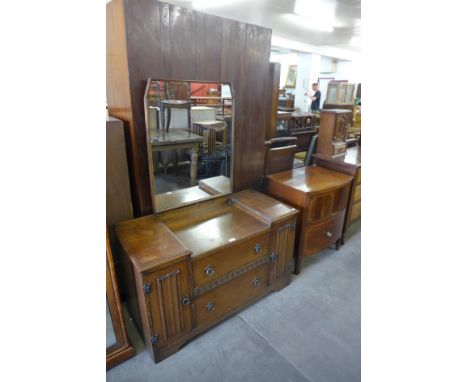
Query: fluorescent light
{"x": 211, "y": 3}
{"x": 355, "y": 41}
{"x": 308, "y": 23}
{"x": 319, "y": 12}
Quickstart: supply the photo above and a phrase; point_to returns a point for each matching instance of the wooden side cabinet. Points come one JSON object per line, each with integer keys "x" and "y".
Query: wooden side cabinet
{"x": 321, "y": 196}
{"x": 334, "y": 125}
{"x": 349, "y": 164}
{"x": 191, "y": 267}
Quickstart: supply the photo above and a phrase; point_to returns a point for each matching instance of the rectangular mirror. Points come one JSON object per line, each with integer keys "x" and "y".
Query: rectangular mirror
{"x": 189, "y": 126}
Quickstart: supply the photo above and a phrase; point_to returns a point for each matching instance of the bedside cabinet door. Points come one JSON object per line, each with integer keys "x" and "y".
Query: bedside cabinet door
{"x": 167, "y": 298}
{"x": 282, "y": 249}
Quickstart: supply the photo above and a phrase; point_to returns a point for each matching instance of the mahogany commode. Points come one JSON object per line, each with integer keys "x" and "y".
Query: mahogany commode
{"x": 321, "y": 196}
{"x": 191, "y": 267}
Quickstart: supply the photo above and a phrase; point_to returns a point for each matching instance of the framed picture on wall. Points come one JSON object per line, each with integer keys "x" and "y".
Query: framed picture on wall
{"x": 291, "y": 77}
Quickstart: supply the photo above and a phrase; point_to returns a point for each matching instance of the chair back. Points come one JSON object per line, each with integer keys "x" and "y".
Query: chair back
{"x": 279, "y": 159}
{"x": 280, "y": 142}
{"x": 311, "y": 151}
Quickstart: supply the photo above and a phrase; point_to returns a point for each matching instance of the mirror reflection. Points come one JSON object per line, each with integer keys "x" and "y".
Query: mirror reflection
{"x": 110, "y": 333}
{"x": 189, "y": 131}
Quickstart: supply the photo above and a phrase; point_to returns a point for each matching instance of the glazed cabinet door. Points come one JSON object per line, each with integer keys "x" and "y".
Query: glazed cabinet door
{"x": 167, "y": 301}
{"x": 282, "y": 249}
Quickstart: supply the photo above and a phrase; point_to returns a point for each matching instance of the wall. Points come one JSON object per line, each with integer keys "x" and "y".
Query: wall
{"x": 155, "y": 39}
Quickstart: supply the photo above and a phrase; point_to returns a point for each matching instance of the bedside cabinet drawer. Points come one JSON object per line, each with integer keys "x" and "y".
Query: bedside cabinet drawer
{"x": 208, "y": 268}
{"x": 322, "y": 235}
{"x": 210, "y": 305}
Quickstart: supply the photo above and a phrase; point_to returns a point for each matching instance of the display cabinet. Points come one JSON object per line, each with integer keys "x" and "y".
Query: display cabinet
{"x": 340, "y": 92}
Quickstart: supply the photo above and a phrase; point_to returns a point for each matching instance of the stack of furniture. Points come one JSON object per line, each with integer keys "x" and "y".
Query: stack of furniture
{"x": 191, "y": 267}
{"x": 321, "y": 196}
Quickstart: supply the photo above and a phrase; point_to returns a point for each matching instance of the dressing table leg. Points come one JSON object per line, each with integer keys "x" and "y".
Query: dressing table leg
{"x": 193, "y": 165}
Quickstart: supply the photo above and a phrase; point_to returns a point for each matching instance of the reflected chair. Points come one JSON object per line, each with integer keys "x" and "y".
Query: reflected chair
{"x": 213, "y": 150}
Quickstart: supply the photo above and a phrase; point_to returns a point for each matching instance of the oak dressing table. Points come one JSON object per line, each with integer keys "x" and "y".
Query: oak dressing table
{"x": 188, "y": 268}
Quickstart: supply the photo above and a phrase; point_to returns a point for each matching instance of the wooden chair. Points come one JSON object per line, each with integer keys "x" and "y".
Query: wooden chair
{"x": 280, "y": 142}
{"x": 303, "y": 158}
{"x": 277, "y": 159}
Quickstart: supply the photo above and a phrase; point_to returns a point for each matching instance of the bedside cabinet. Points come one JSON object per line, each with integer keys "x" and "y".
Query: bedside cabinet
{"x": 349, "y": 164}
{"x": 321, "y": 196}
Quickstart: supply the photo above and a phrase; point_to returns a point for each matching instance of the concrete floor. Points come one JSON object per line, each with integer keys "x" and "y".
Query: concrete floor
{"x": 309, "y": 331}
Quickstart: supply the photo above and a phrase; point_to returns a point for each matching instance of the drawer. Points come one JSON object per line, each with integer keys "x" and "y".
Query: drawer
{"x": 356, "y": 211}
{"x": 213, "y": 304}
{"x": 208, "y": 268}
{"x": 319, "y": 236}
{"x": 357, "y": 194}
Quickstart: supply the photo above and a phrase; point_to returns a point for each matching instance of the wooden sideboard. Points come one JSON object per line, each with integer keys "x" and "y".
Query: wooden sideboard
{"x": 351, "y": 165}
{"x": 321, "y": 196}
{"x": 191, "y": 267}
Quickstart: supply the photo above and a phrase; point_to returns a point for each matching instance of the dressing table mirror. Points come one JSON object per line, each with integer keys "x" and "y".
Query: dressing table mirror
{"x": 189, "y": 127}
{"x": 118, "y": 346}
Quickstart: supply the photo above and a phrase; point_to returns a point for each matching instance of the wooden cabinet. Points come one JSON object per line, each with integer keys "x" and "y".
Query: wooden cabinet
{"x": 321, "y": 196}
{"x": 191, "y": 267}
{"x": 349, "y": 164}
{"x": 334, "y": 124}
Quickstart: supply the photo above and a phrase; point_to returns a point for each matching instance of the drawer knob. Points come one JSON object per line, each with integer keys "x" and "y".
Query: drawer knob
{"x": 273, "y": 256}
{"x": 185, "y": 300}
{"x": 255, "y": 282}
{"x": 258, "y": 248}
{"x": 210, "y": 307}
{"x": 209, "y": 270}
{"x": 328, "y": 233}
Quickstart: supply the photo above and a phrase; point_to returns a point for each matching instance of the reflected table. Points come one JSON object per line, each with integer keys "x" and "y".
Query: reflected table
{"x": 178, "y": 139}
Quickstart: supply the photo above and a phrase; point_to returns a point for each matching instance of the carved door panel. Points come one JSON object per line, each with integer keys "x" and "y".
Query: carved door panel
{"x": 341, "y": 127}
{"x": 282, "y": 249}
{"x": 320, "y": 207}
{"x": 168, "y": 304}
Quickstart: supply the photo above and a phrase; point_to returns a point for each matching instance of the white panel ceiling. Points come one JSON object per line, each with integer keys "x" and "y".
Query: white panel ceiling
{"x": 304, "y": 32}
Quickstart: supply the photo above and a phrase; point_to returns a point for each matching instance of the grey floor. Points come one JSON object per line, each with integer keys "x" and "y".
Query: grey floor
{"x": 309, "y": 331}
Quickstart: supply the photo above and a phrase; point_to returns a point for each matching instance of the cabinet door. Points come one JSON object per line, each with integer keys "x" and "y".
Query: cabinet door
{"x": 167, "y": 301}
{"x": 282, "y": 248}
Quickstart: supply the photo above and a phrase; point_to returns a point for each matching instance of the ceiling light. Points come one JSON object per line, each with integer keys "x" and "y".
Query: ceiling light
{"x": 355, "y": 41}
{"x": 308, "y": 23}
{"x": 316, "y": 10}
{"x": 211, "y": 3}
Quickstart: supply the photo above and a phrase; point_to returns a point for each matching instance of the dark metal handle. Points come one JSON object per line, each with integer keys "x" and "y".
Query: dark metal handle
{"x": 273, "y": 256}
{"x": 210, "y": 307}
{"x": 185, "y": 300}
{"x": 255, "y": 282}
{"x": 209, "y": 270}
{"x": 258, "y": 248}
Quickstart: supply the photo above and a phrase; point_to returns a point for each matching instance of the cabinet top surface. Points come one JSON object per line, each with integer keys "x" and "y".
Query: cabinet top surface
{"x": 264, "y": 206}
{"x": 352, "y": 157}
{"x": 199, "y": 229}
{"x": 311, "y": 179}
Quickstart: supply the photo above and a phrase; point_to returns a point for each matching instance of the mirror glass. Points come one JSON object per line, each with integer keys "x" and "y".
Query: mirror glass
{"x": 110, "y": 333}
{"x": 189, "y": 131}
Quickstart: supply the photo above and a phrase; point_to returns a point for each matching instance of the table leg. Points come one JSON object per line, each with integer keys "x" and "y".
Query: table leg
{"x": 194, "y": 165}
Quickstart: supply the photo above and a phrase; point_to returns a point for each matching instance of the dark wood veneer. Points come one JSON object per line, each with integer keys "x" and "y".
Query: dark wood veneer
{"x": 146, "y": 39}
